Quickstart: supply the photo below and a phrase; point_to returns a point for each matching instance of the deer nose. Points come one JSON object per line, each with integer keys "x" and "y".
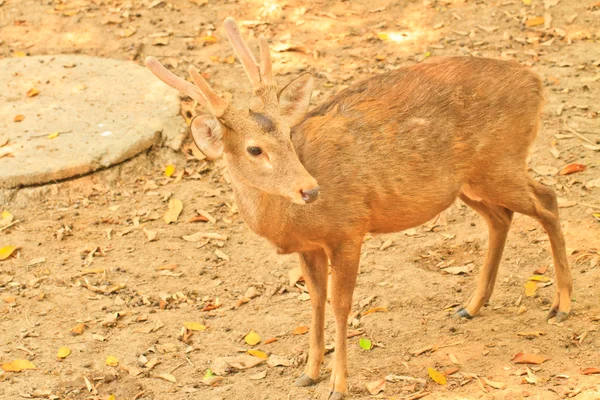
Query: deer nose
{"x": 310, "y": 195}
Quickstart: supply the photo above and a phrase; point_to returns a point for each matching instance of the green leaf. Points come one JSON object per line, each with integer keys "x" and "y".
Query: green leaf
{"x": 365, "y": 344}
{"x": 208, "y": 374}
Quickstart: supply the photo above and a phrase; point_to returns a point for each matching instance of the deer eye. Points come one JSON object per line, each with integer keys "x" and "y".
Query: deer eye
{"x": 255, "y": 151}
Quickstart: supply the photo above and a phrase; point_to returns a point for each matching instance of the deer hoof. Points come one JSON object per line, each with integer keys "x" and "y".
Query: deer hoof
{"x": 336, "y": 396}
{"x": 304, "y": 381}
{"x": 462, "y": 313}
{"x": 561, "y": 316}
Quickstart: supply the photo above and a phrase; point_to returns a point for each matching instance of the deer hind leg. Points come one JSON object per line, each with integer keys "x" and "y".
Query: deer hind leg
{"x": 315, "y": 270}
{"x": 528, "y": 197}
{"x": 498, "y": 220}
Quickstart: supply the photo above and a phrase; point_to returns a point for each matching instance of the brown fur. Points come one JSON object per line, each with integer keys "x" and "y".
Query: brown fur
{"x": 387, "y": 154}
{"x": 393, "y": 151}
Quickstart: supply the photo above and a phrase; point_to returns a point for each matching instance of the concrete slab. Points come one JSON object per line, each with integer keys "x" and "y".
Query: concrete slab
{"x": 105, "y": 111}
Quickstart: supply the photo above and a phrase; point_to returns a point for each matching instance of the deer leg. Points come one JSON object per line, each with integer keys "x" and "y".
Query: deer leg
{"x": 498, "y": 220}
{"x": 540, "y": 202}
{"x": 344, "y": 269}
{"x": 315, "y": 270}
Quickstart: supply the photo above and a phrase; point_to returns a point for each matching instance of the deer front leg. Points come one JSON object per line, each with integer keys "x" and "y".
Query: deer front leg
{"x": 344, "y": 268}
{"x": 315, "y": 269}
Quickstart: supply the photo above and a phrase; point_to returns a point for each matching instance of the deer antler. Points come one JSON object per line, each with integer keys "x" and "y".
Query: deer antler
{"x": 202, "y": 93}
{"x": 259, "y": 75}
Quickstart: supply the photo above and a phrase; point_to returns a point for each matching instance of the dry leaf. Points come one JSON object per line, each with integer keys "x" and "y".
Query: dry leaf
{"x": 167, "y": 267}
{"x": 152, "y": 236}
{"x": 301, "y": 330}
{"x": 19, "y": 118}
{"x": 530, "y": 288}
{"x": 535, "y": 21}
{"x": 196, "y": 237}
{"x": 78, "y": 329}
{"x": 173, "y": 211}
{"x": 32, "y": 92}
{"x": 375, "y": 387}
{"x": 453, "y": 358}
{"x": 167, "y": 377}
{"x": 169, "y": 170}
{"x": 458, "y": 270}
{"x": 63, "y": 352}
{"x": 260, "y": 375}
{"x": 258, "y": 353}
{"x": 527, "y": 358}
{"x": 198, "y": 218}
{"x": 252, "y": 338}
{"x": 590, "y": 371}
{"x": 374, "y": 310}
{"x": 194, "y": 326}
{"x": 277, "y": 361}
{"x": 112, "y": 361}
{"x": 270, "y": 340}
{"x": 7, "y": 251}
{"x": 17, "y": 366}
{"x": 541, "y": 270}
{"x": 437, "y": 377}
{"x": 572, "y": 168}
{"x": 160, "y": 41}
{"x": 495, "y": 385}
{"x": 53, "y": 135}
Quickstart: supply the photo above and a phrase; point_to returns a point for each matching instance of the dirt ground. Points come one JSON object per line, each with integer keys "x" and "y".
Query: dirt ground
{"x": 85, "y": 257}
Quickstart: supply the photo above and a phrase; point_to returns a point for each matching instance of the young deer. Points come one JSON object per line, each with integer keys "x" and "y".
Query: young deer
{"x": 384, "y": 155}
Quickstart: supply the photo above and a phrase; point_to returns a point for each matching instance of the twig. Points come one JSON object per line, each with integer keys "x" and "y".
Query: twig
{"x": 580, "y": 136}
{"x": 177, "y": 367}
{"x": 589, "y": 205}
{"x": 9, "y": 225}
{"x": 140, "y": 394}
{"x": 190, "y": 361}
{"x": 27, "y": 319}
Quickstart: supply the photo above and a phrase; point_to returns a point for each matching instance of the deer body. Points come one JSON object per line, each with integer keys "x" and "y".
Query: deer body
{"x": 386, "y": 154}
{"x": 382, "y": 146}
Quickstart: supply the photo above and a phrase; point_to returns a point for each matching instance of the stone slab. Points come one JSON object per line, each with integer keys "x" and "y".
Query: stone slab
{"x": 105, "y": 111}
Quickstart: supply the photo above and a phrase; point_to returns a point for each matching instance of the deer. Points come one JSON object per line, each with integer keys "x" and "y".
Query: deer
{"x": 384, "y": 155}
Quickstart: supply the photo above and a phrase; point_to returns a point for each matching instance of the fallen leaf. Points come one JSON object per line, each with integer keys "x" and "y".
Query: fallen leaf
{"x": 152, "y": 236}
{"x": 207, "y": 39}
{"x": 243, "y": 361}
{"x": 258, "y": 353}
{"x": 7, "y": 218}
{"x": 277, "y": 361}
{"x": 166, "y": 267}
{"x": 458, "y": 270}
{"x": 572, "y": 168}
{"x": 375, "y": 387}
{"x": 590, "y": 371}
{"x": 173, "y": 211}
{"x": 32, "y": 92}
{"x": 53, "y": 135}
{"x": 535, "y": 21}
{"x": 437, "y": 377}
{"x": 194, "y": 326}
{"x": 527, "y": 358}
{"x": 539, "y": 278}
{"x": 530, "y": 288}
{"x": 453, "y": 358}
{"x": 196, "y": 237}
{"x": 221, "y": 255}
{"x": 7, "y": 251}
{"x": 198, "y": 218}
{"x": 63, "y": 352}
{"x": 374, "y": 310}
{"x": 169, "y": 170}
{"x": 19, "y": 118}
{"x": 531, "y": 334}
{"x": 260, "y": 375}
{"x": 17, "y": 366}
{"x": 527, "y": 2}
{"x": 365, "y": 344}
{"x": 270, "y": 340}
{"x": 252, "y": 338}
{"x": 167, "y": 377}
{"x": 112, "y": 361}
{"x": 541, "y": 270}
{"x": 495, "y": 385}
{"x": 301, "y": 330}
{"x": 78, "y": 329}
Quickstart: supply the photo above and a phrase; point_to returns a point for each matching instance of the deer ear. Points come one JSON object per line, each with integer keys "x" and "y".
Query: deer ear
{"x": 207, "y": 133}
{"x": 294, "y": 99}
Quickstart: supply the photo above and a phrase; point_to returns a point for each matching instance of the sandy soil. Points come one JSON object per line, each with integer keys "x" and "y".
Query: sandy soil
{"x": 135, "y": 311}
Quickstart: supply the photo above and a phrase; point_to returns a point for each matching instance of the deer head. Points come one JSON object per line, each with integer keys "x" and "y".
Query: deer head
{"x": 257, "y": 147}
